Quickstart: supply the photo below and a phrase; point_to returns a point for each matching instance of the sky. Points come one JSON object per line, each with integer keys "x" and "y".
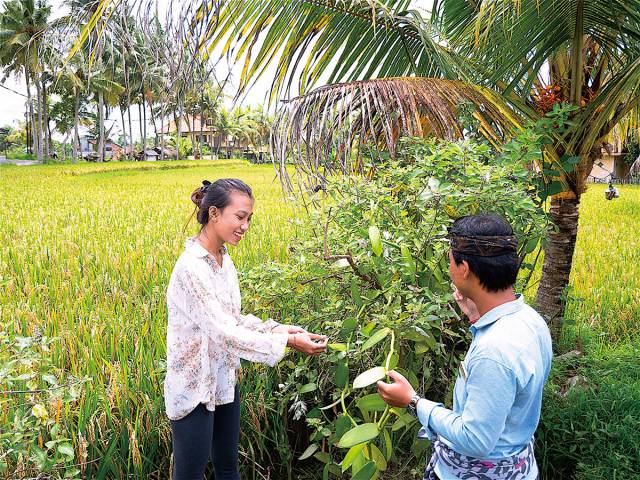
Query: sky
{"x": 13, "y": 91}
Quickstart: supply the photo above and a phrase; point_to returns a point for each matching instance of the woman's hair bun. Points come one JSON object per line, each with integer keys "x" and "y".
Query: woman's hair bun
{"x": 198, "y": 194}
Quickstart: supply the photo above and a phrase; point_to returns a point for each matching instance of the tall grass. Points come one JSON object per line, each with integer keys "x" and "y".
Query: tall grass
{"x": 86, "y": 252}
{"x": 86, "y": 256}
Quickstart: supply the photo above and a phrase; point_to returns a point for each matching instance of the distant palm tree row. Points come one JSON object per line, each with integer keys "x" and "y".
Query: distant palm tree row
{"x": 124, "y": 64}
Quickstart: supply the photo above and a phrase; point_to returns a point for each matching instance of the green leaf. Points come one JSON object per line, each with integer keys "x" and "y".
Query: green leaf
{"x": 531, "y": 245}
{"x": 342, "y": 375}
{"x": 376, "y": 241}
{"x": 309, "y": 387}
{"x": 388, "y": 446}
{"x": 66, "y": 449}
{"x": 366, "y": 472}
{"x": 355, "y": 293}
{"x": 408, "y": 259}
{"x": 339, "y": 347}
{"x": 555, "y": 188}
{"x": 342, "y": 426}
{"x": 323, "y": 457}
{"x": 311, "y": 449}
{"x": 378, "y": 458}
{"x": 359, "y": 434}
{"x": 351, "y": 456}
{"x": 371, "y": 403}
{"x": 368, "y": 377}
{"x": 403, "y": 421}
{"x": 71, "y": 473}
{"x": 349, "y": 325}
{"x": 375, "y": 338}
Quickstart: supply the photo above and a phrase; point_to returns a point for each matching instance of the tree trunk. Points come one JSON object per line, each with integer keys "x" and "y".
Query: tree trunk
{"x": 192, "y": 128}
{"x": 179, "y": 120}
{"x": 153, "y": 122}
{"x": 100, "y": 127}
{"x": 131, "y": 151}
{"x": 38, "y": 126}
{"x": 31, "y": 117}
{"x": 48, "y": 145}
{"x": 202, "y": 122}
{"x": 64, "y": 148}
{"x": 124, "y": 129}
{"x": 76, "y": 122}
{"x": 558, "y": 256}
{"x": 141, "y": 132}
{"x": 27, "y": 128}
{"x": 144, "y": 113}
{"x": 161, "y": 134}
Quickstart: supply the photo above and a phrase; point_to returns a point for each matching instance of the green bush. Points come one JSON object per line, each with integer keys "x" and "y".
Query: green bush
{"x": 370, "y": 270}
{"x": 36, "y": 400}
{"x": 18, "y": 153}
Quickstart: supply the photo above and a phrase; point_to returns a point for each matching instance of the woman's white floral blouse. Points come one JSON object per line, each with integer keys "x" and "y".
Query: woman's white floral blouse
{"x": 207, "y": 335}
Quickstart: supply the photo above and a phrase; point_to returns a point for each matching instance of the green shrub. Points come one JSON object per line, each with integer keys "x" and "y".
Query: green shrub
{"x": 370, "y": 270}
{"x": 18, "y": 153}
{"x": 35, "y": 403}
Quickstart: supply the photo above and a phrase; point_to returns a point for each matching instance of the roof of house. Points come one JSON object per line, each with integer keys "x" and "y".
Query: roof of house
{"x": 189, "y": 123}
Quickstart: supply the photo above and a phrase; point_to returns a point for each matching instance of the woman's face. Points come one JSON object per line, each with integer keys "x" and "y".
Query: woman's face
{"x": 232, "y": 222}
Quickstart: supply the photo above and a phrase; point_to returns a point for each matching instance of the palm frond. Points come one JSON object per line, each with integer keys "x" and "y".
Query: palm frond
{"x": 336, "y": 41}
{"x": 328, "y": 130}
{"x": 513, "y": 39}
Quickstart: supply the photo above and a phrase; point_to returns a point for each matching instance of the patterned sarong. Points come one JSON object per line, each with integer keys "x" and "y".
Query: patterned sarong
{"x": 516, "y": 467}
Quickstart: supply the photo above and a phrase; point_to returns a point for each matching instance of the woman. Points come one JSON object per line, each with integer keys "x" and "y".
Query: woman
{"x": 207, "y": 335}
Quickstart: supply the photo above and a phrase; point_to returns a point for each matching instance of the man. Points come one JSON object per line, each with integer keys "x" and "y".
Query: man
{"x": 498, "y": 394}
{"x": 611, "y": 192}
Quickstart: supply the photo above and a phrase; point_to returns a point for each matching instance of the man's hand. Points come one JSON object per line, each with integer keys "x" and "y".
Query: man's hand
{"x": 467, "y": 306}
{"x": 288, "y": 329}
{"x": 398, "y": 393}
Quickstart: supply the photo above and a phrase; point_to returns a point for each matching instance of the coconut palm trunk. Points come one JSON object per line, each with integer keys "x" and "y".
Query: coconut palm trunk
{"x": 39, "y": 125}
{"x": 124, "y": 127}
{"x": 30, "y": 118}
{"x": 76, "y": 123}
{"x": 144, "y": 127}
{"x": 46, "y": 131}
{"x": 101, "y": 138}
{"x": 130, "y": 152}
{"x": 558, "y": 258}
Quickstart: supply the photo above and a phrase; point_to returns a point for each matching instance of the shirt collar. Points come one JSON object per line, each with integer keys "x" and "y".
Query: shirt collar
{"x": 496, "y": 313}
{"x": 193, "y": 246}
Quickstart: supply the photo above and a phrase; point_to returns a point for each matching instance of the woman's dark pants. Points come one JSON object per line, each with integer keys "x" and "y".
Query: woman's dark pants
{"x": 202, "y": 435}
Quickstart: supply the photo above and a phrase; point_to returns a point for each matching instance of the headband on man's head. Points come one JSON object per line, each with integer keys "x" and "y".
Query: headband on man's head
{"x": 483, "y": 245}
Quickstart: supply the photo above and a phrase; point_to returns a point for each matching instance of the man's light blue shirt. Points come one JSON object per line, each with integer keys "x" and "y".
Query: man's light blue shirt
{"x": 498, "y": 393}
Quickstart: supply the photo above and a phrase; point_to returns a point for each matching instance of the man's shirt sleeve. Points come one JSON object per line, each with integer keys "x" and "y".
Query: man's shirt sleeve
{"x": 490, "y": 391}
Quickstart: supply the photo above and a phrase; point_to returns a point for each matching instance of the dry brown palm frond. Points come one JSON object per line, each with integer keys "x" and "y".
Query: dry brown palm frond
{"x": 327, "y": 130}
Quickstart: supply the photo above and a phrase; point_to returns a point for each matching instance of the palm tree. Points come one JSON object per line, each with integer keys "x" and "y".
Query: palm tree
{"x": 585, "y": 53}
{"x": 533, "y": 53}
{"x": 22, "y": 25}
{"x": 106, "y": 91}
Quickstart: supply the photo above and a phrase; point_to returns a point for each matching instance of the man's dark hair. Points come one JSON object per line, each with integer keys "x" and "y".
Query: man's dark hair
{"x": 495, "y": 273}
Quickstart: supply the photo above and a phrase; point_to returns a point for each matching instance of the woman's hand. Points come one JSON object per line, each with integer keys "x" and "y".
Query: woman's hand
{"x": 309, "y": 343}
{"x": 288, "y": 329}
{"x": 467, "y": 306}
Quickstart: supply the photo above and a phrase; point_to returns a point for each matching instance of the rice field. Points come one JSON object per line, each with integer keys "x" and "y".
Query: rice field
{"x": 86, "y": 254}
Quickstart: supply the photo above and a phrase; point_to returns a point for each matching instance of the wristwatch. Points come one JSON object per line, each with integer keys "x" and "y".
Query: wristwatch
{"x": 413, "y": 405}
